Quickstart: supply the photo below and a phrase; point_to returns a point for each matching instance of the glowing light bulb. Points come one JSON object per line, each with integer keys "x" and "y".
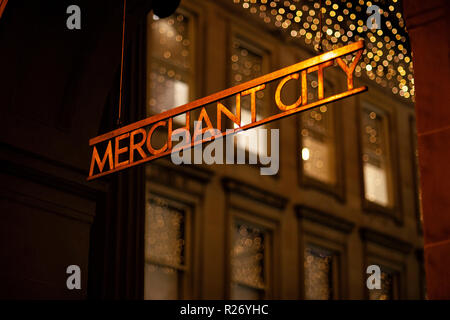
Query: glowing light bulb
{"x": 305, "y": 154}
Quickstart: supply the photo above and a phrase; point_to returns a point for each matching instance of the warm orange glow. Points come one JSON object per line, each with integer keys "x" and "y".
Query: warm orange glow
{"x": 315, "y": 64}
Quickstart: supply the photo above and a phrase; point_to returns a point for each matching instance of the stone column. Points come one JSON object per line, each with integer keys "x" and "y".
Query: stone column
{"x": 428, "y": 25}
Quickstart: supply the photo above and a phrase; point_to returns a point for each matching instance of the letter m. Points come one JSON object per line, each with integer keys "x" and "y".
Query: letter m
{"x": 101, "y": 164}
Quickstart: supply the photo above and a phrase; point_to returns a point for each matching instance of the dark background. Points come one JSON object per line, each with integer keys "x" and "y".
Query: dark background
{"x": 58, "y": 88}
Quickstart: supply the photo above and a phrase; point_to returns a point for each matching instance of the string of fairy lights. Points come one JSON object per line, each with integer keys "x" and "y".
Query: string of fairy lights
{"x": 387, "y": 56}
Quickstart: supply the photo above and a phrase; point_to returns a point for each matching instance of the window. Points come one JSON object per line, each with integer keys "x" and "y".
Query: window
{"x": 323, "y": 241}
{"x": 389, "y": 286}
{"x": 249, "y": 261}
{"x": 377, "y": 171}
{"x": 170, "y": 71}
{"x": 320, "y": 162}
{"x": 319, "y": 267}
{"x": 170, "y": 64}
{"x": 247, "y": 64}
{"x": 391, "y": 255}
{"x": 166, "y": 229}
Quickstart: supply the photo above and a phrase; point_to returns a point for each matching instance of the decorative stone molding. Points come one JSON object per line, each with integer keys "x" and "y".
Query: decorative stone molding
{"x": 255, "y": 193}
{"x": 325, "y": 219}
{"x": 385, "y": 240}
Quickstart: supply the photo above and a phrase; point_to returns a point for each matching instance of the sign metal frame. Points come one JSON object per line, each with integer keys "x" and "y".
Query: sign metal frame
{"x": 317, "y": 63}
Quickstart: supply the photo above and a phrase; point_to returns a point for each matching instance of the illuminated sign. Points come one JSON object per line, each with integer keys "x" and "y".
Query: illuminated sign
{"x": 131, "y": 145}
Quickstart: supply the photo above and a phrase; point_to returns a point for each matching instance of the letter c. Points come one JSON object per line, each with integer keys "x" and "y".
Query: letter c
{"x": 149, "y": 139}
{"x": 278, "y": 101}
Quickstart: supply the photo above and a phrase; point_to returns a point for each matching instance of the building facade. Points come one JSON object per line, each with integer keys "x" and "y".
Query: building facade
{"x": 345, "y": 196}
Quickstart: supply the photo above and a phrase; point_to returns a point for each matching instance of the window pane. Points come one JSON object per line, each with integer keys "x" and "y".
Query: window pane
{"x": 161, "y": 283}
{"x": 164, "y": 249}
{"x": 318, "y": 274}
{"x": 170, "y": 63}
{"x": 247, "y": 262}
{"x": 376, "y": 158}
{"x": 246, "y": 65}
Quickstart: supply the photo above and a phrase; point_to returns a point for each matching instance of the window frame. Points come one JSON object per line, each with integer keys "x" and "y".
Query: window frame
{"x": 395, "y": 211}
{"x": 271, "y": 227}
{"x": 331, "y": 233}
{"x": 335, "y": 267}
{"x": 268, "y": 253}
{"x": 384, "y": 250}
{"x": 166, "y": 180}
{"x": 169, "y": 181}
{"x": 184, "y": 270}
{"x": 337, "y": 190}
{"x": 238, "y": 31}
{"x": 195, "y": 30}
